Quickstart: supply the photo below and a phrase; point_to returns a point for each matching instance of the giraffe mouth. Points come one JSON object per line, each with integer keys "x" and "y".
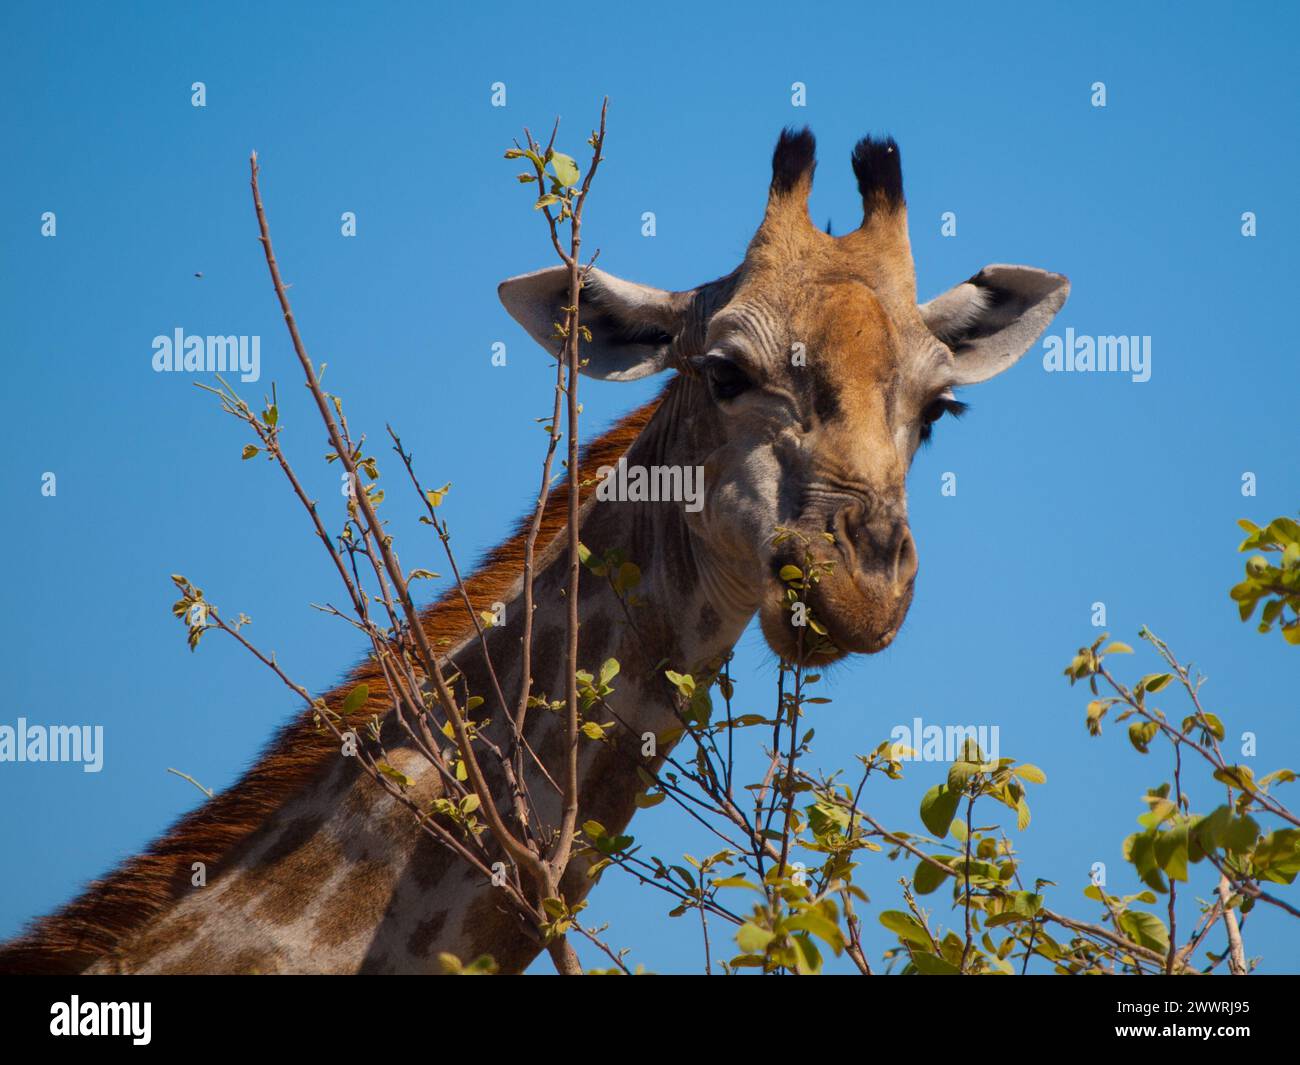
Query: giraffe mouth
{"x": 857, "y": 618}
{"x": 886, "y": 638}
{"x": 854, "y": 638}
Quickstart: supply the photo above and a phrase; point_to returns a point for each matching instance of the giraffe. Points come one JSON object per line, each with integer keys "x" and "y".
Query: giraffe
{"x": 802, "y": 383}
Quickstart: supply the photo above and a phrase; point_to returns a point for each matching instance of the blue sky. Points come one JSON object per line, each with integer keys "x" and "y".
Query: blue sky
{"x": 1073, "y": 488}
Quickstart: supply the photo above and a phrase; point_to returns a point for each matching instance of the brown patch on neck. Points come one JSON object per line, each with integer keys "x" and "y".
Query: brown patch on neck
{"x": 124, "y": 902}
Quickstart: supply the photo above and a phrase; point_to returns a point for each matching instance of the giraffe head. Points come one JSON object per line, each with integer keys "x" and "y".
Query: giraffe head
{"x": 812, "y": 375}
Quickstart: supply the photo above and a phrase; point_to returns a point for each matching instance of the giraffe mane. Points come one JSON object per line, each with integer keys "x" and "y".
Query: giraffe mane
{"x": 97, "y": 922}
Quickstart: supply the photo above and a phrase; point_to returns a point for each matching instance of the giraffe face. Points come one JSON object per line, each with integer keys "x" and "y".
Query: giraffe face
{"x": 820, "y": 401}
{"x": 810, "y": 376}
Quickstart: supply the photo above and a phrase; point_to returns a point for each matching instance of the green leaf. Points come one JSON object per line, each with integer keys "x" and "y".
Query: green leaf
{"x": 1278, "y": 776}
{"x": 928, "y": 878}
{"x": 938, "y": 808}
{"x": 628, "y": 577}
{"x": 1171, "y": 851}
{"x": 1146, "y": 929}
{"x": 608, "y": 671}
{"x": 249, "y": 451}
{"x": 959, "y": 773}
{"x": 356, "y": 698}
{"x": 808, "y": 959}
{"x": 566, "y": 170}
{"x": 1241, "y": 835}
{"x": 1022, "y": 814}
{"x": 752, "y": 939}
{"x": 1277, "y": 858}
{"x": 1141, "y": 733}
{"x": 1029, "y": 903}
{"x": 1153, "y": 682}
{"x": 1140, "y": 850}
{"x": 1030, "y": 773}
{"x": 1206, "y": 833}
{"x": 395, "y": 775}
{"x": 1236, "y": 776}
{"x": 905, "y": 926}
{"x": 818, "y": 924}
{"x": 1284, "y": 530}
{"x": 737, "y": 882}
{"x": 683, "y": 682}
{"x": 932, "y": 965}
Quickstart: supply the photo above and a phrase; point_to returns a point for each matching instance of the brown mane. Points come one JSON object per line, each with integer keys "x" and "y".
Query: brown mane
{"x": 95, "y": 923}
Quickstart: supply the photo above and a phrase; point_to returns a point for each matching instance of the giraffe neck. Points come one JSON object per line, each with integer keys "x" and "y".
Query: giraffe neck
{"x": 340, "y": 879}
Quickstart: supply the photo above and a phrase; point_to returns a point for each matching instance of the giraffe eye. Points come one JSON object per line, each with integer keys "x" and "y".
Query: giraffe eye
{"x": 726, "y": 380}
{"x": 935, "y": 410}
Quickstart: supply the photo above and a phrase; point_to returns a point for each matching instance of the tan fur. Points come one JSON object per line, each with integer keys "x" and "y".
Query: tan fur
{"x": 126, "y": 900}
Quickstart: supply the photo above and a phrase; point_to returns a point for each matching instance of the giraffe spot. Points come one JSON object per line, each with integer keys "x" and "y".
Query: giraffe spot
{"x": 169, "y": 933}
{"x": 202, "y": 958}
{"x": 426, "y": 934}
{"x": 295, "y": 834}
{"x": 252, "y": 962}
{"x": 551, "y": 745}
{"x": 429, "y": 861}
{"x": 250, "y": 883}
{"x": 707, "y": 626}
{"x": 281, "y": 890}
{"x": 365, "y": 889}
{"x": 359, "y": 802}
{"x": 488, "y": 928}
{"x": 548, "y": 659}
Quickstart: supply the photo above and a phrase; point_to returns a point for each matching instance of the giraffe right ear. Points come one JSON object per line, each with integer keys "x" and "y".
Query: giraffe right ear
{"x": 632, "y": 326}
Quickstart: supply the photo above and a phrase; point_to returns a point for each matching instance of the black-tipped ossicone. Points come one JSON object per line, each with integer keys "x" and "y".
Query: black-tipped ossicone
{"x": 795, "y": 156}
{"x": 879, "y": 170}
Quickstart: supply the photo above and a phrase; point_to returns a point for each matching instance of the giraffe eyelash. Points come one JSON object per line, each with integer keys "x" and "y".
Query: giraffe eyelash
{"x": 943, "y": 405}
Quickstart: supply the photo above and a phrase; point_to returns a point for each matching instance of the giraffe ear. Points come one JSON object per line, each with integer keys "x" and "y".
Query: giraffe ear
{"x": 632, "y": 326}
{"x": 993, "y": 319}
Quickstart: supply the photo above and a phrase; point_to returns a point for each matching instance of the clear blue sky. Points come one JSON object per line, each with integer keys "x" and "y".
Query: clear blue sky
{"x": 1072, "y": 488}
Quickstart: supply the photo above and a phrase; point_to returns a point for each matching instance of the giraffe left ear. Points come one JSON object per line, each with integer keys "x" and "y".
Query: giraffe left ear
{"x": 991, "y": 320}
{"x": 632, "y": 326}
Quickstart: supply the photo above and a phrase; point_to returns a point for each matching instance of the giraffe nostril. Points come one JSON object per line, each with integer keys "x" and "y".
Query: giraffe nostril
{"x": 877, "y": 549}
{"x": 905, "y": 560}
